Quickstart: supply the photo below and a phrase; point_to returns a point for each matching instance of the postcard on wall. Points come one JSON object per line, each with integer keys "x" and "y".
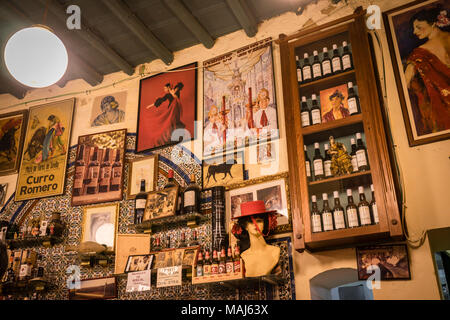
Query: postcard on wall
{"x": 109, "y": 109}
{"x": 46, "y": 146}
{"x": 12, "y": 133}
{"x": 239, "y": 103}
{"x": 99, "y": 168}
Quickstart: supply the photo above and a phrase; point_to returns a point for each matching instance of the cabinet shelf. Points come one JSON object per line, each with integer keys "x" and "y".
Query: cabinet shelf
{"x": 46, "y": 241}
{"x": 317, "y": 128}
{"x": 191, "y": 220}
{"x": 330, "y": 80}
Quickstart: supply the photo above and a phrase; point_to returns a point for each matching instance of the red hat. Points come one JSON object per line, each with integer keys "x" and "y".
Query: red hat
{"x": 251, "y": 208}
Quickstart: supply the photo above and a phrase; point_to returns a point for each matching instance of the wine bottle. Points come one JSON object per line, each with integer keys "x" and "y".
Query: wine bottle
{"x": 304, "y": 113}
{"x": 318, "y": 163}
{"x": 80, "y": 171}
{"x": 172, "y": 183}
{"x": 361, "y": 154}
{"x": 199, "y": 264}
{"x": 168, "y": 242}
{"x": 353, "y": 100}
{"x": 299, "y": 70}
{"x": 229, "y": 264}
{"x": 105, "y": 173}
{"x": 182, "y": 243}
{"x": 140, "y": 202}
{"x": 353, "y": 155}
{"x": 116, "y": 173}
{"x": 157, "y": 246}
{"x": 327, "y": 215}
{"x": 316, "y": 66}
{"x": 352, "y": 211}
{"x": 315, "y": 111}
{"x": 326, "y": 63}
{"x": 194, "y": 240}
{"x": 347, "y": 59}
{"x": 207, "y": 264}
{"x": 222, "y": 262}
{"x": 237, "y": 259}
{"x": 307, "y": 166}
{"x": 215, "y": 263}
{"x": 11, "y": 275}
{"x": 316, "y": 218}
{"x": 93, "y": 169}
{"x": 338, "y": 213}
{"x": 191, "y": 197}
{"x": 327, "y": 163}
{"x": 363, "y": 208}
{"x": 336, "y": 61}
{"x": 306, "y": 69}
{"x": 373, "y": 207}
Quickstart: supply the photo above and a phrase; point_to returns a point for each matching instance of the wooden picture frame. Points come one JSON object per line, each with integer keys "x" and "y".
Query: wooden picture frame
{"x": 147, "y": 167}
{"x": 139, "y": 262}
{"x": 95, "y": 289}
{"x": 102, "y": 182}
{"x": 100, "y": 223}
{"x": 130, "y": 244}
{"x": 415, "y": 62}
{"x": 160, "y": 204}
{"x": 223, "y": 170}
{"x": 13, "y": 126}
{"x": 391, "y": 260}
{"x": 45, "y": 151}
{"x": 160, "y": 115}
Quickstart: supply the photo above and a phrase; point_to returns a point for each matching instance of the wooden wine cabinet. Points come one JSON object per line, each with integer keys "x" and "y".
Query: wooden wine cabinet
{"x": 370, "y": 121}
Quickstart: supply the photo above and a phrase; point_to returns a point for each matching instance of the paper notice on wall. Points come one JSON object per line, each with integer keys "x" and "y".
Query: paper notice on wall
{"x": 168, "y": 277}
{"x": 139, "y": 281}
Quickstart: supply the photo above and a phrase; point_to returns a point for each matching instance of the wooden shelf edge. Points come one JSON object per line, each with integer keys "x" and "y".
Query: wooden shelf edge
{"x": 332, "y": 124}
{"x": 326, "y": 79}
{"x": 344, "y": 177}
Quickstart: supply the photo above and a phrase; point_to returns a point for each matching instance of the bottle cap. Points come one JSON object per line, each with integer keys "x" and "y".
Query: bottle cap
{"x": 170, "y": 174}
{"x": 352, "y": 141}
{"x": 358, "y": 135}
{"x": 313, "y": 96}
{"x": 315, "y": 52}
{"x": 316, "y": 145}
{"x": 305, "y": 56}
{"x": 325, "y": 49}
{"x": 336, "y": 194}
{"x": 344, "y": 43}
{"x": 349, "y": 192}
{"x": 324, "y": 196}
{"x": 361, "y": 189}
{"x": 314, "y": 198}
{"x": 303, "y": 99}
{"x": 334, "y": 46}
{"x": 371, "y": 187}
{"x": 350, "y": 84}
{"x": 326, "y": 146}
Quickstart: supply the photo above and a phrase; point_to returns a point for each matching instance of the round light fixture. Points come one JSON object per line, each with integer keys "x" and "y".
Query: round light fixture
{"x": 36, "y": 57}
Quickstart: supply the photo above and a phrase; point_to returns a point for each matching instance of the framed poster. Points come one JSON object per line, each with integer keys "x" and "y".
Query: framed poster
{"x": 99, "y": 168}
{"x": 108, "y": 109}
{"x": 416, "y": 33}
{"x": 223, "y": 170}
{"x": 12, "y": 134}
{"x": 333, "y": 103}
{"x": 142, "y": 168}
{"x": 167, "y": 108}
{"x": 391, "y": 260}
{"x": 46, "y": 147}
{"x": 99, "y": 224}
{"x": 128, "y": 245}
{"x": 239, "y": 103}
{"x": 92, "y": 289}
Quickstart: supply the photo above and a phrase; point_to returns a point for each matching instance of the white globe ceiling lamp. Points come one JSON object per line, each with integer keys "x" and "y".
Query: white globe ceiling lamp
{"x": 36, "y": 57}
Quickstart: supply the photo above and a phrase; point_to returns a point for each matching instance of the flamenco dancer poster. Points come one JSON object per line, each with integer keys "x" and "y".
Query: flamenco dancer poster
{"x": 167, "y": 108}
{"x": 239, "y": 99}
{"x": 419, "y": 40}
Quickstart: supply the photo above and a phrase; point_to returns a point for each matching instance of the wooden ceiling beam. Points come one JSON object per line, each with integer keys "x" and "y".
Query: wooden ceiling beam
{"x": 129, "y": 19}
{"x": 244, "y": 15}
{"x": 87, "y": 34}
{"x": 187, "y": 18}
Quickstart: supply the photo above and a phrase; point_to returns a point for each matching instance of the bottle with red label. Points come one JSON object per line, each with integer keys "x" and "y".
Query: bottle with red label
{"x": 207, "y": 264}
{"x": 222, "y": 262}
{"x": 237, "y": 259}
{"x": 215, "y": 263}
{"x": 229, "y": 264}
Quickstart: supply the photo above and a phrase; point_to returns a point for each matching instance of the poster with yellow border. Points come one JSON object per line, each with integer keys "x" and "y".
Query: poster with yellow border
{"x": 46, "y": 147}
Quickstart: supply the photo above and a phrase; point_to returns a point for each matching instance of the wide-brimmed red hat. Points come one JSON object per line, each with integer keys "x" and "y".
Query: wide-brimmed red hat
{"x": 253, "y": 208}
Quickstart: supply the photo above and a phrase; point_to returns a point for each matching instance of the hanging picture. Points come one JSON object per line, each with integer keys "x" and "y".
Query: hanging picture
{"x": 391, "y": 261}
{"x": 167, "y": 108}
{"x": 44, "y": 157}
{"x": 223, "y": 170}
{"x": 146, "y": 169}
{"x": 239, "y": 103}
{"x": 334, "y": 103}
{"x": 128, "y": 245}
{"x": 416, "y": 33}
{"x": 109, "y": 109}
{"x": 99, "y": 168}
{"x": 100, "y": 224}
{"x": 12, "y": 133}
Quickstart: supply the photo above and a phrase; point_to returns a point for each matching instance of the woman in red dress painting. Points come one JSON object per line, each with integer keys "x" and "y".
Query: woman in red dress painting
{"x": 427, "y": 71}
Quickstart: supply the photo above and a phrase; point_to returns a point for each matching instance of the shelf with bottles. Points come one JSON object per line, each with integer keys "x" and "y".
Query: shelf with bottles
{"x": 191, "y": 220}
{"x": 31, "y": 241}
{"x": 25, "y": 287}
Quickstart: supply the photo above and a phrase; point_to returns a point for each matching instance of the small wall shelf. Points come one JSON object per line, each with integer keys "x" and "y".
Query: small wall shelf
{"x": 191, "y": 220}
{"x": 46, "y": 241}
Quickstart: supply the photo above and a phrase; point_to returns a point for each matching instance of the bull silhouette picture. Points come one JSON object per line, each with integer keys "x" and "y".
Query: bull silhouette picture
{"x": 36, "y": 143}
{"x": 224, "y": 168}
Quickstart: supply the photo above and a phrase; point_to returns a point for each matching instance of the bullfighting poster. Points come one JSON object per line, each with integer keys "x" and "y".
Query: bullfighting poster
{"x": 239, "y": 104}
{"x": 46, "y": 146}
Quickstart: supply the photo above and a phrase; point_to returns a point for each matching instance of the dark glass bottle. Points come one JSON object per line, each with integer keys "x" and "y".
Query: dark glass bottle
{"x": 316, "y": 117}
{"x": 316, "y": 218}
{"x": 304, "y": 113}
{"x": 338, "y": 213}
{"x": 351, "y": 211}
{"x": 157, "y": 246}
{"x": 353, "y": 100}
{"x": 361, "y": 154}
{"x": 194, "y": 240}
{"x": 94, "y": 169}
{"x": 347, "y": 59}
{"x": 222, "y": 262}
{"x": 336, "y": 61}
{"x": 326, "y": 64}
{"x": 80, "y": 171}
{"x": 116, "y": 176}
{"x": 168, "y": 241}
{"x": 191, "y": 197}
{"x": 105, "y": 173}
{"x": 182, "y": 243}
{"x": 140, "y": 202}
{"x": 373, "y": 207}
{"x": 316, "y": 66}
{"x": 327, "y": 162}
{"x": 363, "y": 208}
{"x": 229, "y": 264}
{"x": 307, "y": 166}
{"x": 200, "y": 264}
{"x": 318, "y": 163}
{"x": 299, "y": 70}
{"x": 306, "y": 69}
{"x": 10, "y": 274}
{"x": 327, "y": 215}
{"x": 353, "y": 155}
{"x": 172, "y": 183}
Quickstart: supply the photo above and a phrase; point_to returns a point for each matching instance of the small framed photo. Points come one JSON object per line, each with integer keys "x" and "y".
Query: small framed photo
{"x": 130, "y": 245}
{"x": 94, "y": 289}
{"x": 12, "y": 127}
{"x": 334, "y": 103}
{"x": 141, "y": 262}
{"x": 164, "y": 259}
{"x": 142, "y": 168}
{"x": 100, "y": 224}
{"x": 161, "y": 203}
{"x": 223, "y": 170}
{"x": 189, "y": 256}
{"x": 391, "y": 260}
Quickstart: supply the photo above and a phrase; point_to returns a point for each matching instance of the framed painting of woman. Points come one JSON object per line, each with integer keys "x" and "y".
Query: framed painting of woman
{"x": 418, "y": 35}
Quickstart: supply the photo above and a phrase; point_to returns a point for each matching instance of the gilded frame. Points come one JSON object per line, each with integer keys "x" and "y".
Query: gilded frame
{"x": 115, "y": 220}
{"x": 155, "y": 168}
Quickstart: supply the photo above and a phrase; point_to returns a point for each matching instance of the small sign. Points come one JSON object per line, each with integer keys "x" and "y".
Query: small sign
{"x": 139, "y": 281}
{"x": 169, "y": 277}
